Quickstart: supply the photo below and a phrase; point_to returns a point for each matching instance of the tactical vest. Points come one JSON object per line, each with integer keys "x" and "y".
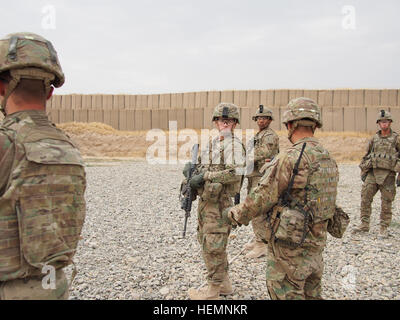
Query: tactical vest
{"x": 321, "y": 188}
{"x": 217, "y": 162}
{"x": 384, "y": 154}
{"x": 258, "y": 139}
{"x": 310, "y": 205}
{"x": 43, "y": 208}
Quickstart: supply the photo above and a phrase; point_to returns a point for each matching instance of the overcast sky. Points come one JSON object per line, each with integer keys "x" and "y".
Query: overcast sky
{"x": 162, "y": 46}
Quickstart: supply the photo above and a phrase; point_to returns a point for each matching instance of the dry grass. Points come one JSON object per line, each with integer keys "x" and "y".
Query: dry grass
{"x": 101, "y": 140}
{"x": 323, "y": 134}
{"x": 96, "y": 127}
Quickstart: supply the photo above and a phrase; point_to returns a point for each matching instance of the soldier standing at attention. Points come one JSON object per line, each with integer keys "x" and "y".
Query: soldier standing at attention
{"x": 296, "y": 196}
{"x": 266, "y": 146}
{"x": 42, "y": 176}
{"x": 378, "y": 172}
{"x": 219, "y": 178}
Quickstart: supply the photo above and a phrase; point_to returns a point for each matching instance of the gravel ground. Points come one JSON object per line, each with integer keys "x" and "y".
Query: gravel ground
{"x": 132, "y": 245}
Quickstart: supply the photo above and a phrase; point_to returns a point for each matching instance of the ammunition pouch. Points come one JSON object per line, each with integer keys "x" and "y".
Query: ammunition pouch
{"x": 292, "y": 227}
{"x": 338, "y": 224}
{"x": 383, "y": 161}
{"x": 365, "y": 165}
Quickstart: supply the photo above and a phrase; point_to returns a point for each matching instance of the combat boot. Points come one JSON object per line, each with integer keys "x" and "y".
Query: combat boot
{"x": 363, "y": 227}
{"x": 226, "y": 286}
{"x": 211, "y": 292}
{"x": 260, "y": 249}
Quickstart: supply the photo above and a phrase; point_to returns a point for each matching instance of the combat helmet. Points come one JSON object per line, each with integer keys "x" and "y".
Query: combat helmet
{"x": 263, "y": 112}
{"x": 303, "y": 110}
{"x": 226, "y": 110}
{"x": 29, "y": 56}
{"x": 384, "y": 115}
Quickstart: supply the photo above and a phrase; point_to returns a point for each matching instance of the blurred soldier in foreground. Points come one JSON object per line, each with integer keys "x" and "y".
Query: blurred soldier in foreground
{"x": 378, "y": 172}
{"x": 219, "y": 178}
{"x": 266, "y": 146}
{"x": 296, "y": 196}
{"x": 42, "y": 176}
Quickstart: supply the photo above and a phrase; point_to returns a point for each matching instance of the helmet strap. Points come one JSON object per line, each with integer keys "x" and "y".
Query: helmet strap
{"x": 10, "y": 88}
{"x": 26, "y": 73}
{"x": 291, "y": 131}
{"x": 301, "y": 123}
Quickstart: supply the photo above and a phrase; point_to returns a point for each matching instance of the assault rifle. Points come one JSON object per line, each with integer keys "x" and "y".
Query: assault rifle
{"x": 187, "y": 200}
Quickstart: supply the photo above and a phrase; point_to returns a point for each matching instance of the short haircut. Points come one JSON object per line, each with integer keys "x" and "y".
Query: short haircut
{"x": 27, "y": 90}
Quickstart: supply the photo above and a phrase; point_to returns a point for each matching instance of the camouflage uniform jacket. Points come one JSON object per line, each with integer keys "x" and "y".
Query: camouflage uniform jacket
{"x": 42, "y": 185}
{"x": 317, "y": 165}
{"x": 266, "y": 146}
{"x": 384, "y": 155}
{"x": 224, "y": 162}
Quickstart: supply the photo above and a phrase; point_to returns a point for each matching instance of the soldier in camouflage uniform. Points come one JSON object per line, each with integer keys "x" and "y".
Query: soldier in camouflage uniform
{"x": 219, "y": 178}
{"x": 296, "y": 221}
{"x": 42, "y": 176}
{"x": 266, "y": 146}
{"x": 379, "y": 167}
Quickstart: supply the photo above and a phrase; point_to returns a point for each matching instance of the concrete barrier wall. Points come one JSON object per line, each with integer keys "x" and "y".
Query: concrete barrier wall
{"x": 342, "y": 110}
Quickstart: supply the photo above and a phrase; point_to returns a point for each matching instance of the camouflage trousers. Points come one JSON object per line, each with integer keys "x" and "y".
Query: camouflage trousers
{"x": 294, "y": 274}
{"x": 257, "y": 223}
{"x": 33, "y": 289}
{"x": 368, "y": 191}
{"x": 213, "y": 234}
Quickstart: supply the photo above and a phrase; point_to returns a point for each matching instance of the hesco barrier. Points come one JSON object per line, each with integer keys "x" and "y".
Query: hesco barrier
{"x": 342, "y": 110}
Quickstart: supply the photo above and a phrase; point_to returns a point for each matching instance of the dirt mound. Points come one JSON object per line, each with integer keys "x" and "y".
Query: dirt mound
{"x": 101, "y": 140}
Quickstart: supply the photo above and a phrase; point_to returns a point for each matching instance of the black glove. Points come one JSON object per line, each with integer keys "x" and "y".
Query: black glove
{"x": 197, "y": 181}
{"x": 186, "y": 169}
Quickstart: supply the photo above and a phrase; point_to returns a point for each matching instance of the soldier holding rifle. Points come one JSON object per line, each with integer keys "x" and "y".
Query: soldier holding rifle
{"x": 218, "y": 180}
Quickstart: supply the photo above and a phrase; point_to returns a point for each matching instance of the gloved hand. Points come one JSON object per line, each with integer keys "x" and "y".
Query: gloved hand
{"x": 197, "y": 181}
{"x": 186, "y": 169}
{"x": 227, "y": 217}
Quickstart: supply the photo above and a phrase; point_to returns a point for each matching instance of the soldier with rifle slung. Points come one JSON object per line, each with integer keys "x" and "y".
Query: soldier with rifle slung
{"x": 296, "y": 196}
{"x": 218, "y": 179}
